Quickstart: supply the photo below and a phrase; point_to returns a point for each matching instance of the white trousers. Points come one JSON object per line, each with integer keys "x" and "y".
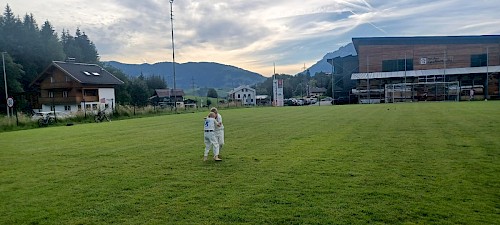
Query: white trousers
{"x": 211, "y": 140}
{"x": 220, "y": 136}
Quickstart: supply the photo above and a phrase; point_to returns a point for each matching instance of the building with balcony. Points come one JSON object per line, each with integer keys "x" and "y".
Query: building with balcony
{"x": 71, "y": 87}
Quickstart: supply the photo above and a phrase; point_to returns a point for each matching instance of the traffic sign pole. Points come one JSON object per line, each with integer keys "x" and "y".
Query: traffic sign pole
{"x": 10, "y": 103}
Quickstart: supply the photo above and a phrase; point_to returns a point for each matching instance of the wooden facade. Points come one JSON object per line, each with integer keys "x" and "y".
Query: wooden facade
{"x": 386, "y": 61}
{"x": 59, "y": 88}
{"x": 69, "y": 87}
{"x": 426, "y": 57}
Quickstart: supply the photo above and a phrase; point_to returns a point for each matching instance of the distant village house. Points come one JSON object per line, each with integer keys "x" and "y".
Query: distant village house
{"x": 167, "y": 97}
{"x": 245, "y": 94}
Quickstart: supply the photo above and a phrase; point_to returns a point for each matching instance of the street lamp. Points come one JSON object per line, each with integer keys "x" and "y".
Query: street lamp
{"x": 5, "y": 80}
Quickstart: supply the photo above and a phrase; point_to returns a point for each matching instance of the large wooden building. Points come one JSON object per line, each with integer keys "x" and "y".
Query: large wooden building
{"x": 71, "y": 87}
{"x": 434, "y": 68}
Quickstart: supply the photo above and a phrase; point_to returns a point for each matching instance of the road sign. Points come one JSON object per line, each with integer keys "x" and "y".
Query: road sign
{"x": 10, "y": 102}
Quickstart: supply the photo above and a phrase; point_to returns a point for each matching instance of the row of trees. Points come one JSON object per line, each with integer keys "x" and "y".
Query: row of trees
{"x": 29, "y": 49}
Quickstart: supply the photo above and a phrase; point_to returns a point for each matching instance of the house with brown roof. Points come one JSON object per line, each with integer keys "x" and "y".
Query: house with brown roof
{"x": 167, "y": 97}
{"x": 71, "y": 87}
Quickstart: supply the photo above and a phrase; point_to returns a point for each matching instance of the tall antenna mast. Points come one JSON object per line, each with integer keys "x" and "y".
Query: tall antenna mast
{"x": 275, "y": 87}
{"x": 274, "y": 68}
{"x": 173, "y": 49}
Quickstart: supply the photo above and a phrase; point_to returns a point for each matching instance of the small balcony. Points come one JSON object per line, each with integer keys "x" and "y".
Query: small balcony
{"x": 58, "y": 100}
{"x": 58, "y": 85}
{"x": 66, "y": 100}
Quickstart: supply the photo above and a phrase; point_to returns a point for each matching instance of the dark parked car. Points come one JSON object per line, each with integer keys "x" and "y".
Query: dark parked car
{"x": 340, "y": 101}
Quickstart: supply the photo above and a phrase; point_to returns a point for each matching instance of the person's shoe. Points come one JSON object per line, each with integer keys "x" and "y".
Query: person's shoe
{"x": 205, "y": 158}
{"x": 216, "y": 158}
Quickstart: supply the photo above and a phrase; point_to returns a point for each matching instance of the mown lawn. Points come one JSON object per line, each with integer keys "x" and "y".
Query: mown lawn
{"x": 420, "y": 163}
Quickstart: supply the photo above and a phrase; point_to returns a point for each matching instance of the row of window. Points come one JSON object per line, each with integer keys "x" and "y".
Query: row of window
{"x": 87, "y": 107}
{"x": 245, "y": 96}
{"x": 65, "y": 93}
{"x": 66, "y": 108}
{"x": 478, "y": 60}
{"x": 397, "y": 65}
{"x": 53, "y": 80}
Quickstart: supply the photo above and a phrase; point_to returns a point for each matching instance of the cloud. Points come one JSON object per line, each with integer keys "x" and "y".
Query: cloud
{"x": 254, "y": 34}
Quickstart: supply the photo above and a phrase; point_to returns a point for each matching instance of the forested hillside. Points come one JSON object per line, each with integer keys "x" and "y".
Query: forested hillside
{"x": 28, "y": 48}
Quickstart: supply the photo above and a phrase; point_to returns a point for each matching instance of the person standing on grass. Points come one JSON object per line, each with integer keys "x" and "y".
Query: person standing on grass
{"x": 219, "y": 129}
{"x": 209, "y": 137}
{"x": 471, "y": 94}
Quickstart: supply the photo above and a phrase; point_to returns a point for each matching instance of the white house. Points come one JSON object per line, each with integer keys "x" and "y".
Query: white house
{"x": 243, "y": 93}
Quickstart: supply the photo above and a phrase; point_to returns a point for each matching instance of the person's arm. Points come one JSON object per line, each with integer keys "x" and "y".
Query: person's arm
{"x": 219, "y": 120}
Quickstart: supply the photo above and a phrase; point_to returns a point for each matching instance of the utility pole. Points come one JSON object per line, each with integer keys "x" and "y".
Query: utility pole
{"x": 368, "y": 80}
{"x": 5, "y": 81}
{"x": 333, "y": 83}
{"x": 173, "y": 48}
{"x": 275, "y": 89}
{"x": 486, "y": 96}
{"x": 173, "y": 52}
{"x": 194, "y": 91}
{"x": 405, "y": 77}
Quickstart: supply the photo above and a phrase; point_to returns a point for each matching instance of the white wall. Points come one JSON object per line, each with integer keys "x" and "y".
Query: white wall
{"x": 46, "y": 108}
{"x": 109, "y": 95}
{"x": 246, "y": 100}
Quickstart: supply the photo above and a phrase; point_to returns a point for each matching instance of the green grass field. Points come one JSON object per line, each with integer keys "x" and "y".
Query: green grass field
{"x": 420, "y": 163}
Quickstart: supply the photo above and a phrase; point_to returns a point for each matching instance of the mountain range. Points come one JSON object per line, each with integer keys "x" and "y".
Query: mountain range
{"x": 323, "y": 66}
{"x": 216, "y": 75}
{"x": 202, "y": 74}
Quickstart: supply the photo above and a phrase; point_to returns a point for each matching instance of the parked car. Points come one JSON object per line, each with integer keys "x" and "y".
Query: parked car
{"x": 340, "y": 101}
{"x": 305, "y": 101}
{"x": 327, "y": 99}
{"x": 289, "y": 102}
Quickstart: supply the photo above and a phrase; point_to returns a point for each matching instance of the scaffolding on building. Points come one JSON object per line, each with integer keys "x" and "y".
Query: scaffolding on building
{"x": 422, "y": 91}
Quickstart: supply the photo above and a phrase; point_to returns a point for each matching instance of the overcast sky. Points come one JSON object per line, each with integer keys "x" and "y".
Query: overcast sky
{"x": 253, "y": 34}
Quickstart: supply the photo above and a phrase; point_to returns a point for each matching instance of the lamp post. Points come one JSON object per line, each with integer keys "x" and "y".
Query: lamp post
{"x": 5, "y": 81}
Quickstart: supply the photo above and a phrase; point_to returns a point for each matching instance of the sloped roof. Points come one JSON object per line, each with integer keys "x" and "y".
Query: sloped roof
{"x": 317, "y": 90}
{"x": 241, "y": 87}
{"x": 82, "y": 73}
{"x": 162, "y": 93}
